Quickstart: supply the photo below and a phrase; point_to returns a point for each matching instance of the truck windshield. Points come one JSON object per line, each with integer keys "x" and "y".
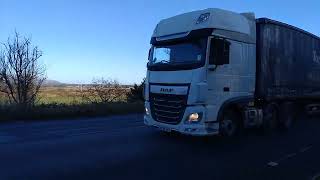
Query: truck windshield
{"x": 184, "y": 53}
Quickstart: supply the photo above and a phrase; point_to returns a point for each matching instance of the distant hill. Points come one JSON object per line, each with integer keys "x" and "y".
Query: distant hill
{"x": 54, "y": 83}
{"x": 50, "y": 82}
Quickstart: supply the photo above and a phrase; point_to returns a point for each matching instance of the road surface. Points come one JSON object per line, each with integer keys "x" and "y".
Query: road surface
{"x": 122, "y": 147}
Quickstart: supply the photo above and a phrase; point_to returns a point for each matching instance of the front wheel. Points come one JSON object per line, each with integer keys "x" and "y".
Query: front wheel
{"x": 229, "y": 125}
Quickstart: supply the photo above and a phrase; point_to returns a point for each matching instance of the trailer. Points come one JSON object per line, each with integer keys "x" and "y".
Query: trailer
{"x": 288, "y": 66}
{"x": 215, "y": 72}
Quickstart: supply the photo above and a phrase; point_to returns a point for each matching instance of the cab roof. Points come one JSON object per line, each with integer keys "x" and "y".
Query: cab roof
{"x": 181, "y": 25}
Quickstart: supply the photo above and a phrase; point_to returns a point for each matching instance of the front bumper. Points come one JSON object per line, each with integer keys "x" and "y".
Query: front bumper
{"x": 202, "y": 128}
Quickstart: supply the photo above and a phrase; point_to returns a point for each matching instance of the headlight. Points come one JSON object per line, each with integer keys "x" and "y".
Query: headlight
{"x": 194, "y": 117}
{"x": 147, "y": 111}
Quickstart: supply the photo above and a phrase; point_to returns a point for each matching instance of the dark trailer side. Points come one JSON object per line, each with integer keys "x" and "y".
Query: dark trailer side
{"x": 288, "y": 63}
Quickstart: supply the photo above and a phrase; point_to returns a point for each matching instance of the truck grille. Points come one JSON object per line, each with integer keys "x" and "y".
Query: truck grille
{"x": 167, "y": 108}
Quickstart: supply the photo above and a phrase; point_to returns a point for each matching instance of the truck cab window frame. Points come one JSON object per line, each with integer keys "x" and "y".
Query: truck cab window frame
{"x": 179, "y": 55}
{"x": 219, "y": 51}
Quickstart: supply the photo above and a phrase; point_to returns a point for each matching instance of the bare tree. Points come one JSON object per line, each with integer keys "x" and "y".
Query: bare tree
{"x": 103, "y": 91}
{"x": 21, "y": 74}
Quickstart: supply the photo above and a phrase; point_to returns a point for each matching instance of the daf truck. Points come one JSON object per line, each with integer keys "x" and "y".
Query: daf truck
{"x": 215, "y": 72}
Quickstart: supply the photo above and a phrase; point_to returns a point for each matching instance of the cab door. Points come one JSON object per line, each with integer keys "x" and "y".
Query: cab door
{"x": 231, "y": 71}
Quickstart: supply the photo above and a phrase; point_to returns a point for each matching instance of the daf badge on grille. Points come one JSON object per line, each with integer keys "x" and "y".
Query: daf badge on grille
{"x": 166, "y": 90}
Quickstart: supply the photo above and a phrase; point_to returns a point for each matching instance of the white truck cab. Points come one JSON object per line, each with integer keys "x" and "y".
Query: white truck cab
{"x": 199, "y": 63}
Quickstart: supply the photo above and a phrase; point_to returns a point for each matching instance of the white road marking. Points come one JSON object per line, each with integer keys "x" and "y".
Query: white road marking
{"x": 272, "y": 164}
{"x": 304, "y": 149}
{"x": 291, "y": 155}
{"x": 288, "y": 156}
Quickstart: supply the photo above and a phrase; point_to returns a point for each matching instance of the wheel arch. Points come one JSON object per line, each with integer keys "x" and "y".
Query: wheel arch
{"x": 236, "y": 103}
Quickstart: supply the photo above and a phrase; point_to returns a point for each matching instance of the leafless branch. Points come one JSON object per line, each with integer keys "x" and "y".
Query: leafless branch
{"x": 21, "y": 74}
{"x": 102, "y": 91}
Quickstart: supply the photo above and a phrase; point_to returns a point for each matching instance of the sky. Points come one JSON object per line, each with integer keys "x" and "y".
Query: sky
{"x": 86, "y": 39}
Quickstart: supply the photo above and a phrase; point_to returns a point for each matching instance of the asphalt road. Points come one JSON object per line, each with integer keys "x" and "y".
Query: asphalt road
{"x": 122, "y": 147}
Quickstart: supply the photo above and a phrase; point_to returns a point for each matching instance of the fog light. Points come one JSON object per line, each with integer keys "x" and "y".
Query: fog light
{"x": 147, "y": 111}
{"x": 195, "y": 117}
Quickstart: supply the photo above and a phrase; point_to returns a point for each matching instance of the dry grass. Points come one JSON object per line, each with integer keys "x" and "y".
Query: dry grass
{"x": 60, "y": 95}
{"x": 65, "y": 95}
{"x": 66, "y": 102}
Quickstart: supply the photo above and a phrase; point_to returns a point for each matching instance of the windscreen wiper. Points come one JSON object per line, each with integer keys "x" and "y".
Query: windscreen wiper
{"x": 165, "y": 61}
{"x": 162, "y": 62}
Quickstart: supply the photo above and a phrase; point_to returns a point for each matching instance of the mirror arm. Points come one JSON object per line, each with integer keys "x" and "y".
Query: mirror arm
{"x": 212, "y": 67}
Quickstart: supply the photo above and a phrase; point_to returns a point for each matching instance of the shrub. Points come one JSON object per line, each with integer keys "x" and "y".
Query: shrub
{"x": 136, "y": 93}
{"x": 103, "y": 91}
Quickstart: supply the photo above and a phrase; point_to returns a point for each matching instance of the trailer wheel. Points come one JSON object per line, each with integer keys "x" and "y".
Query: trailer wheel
{"x": 286, "y": 115}
{"x": 230, "y": 124}
{"x": 270, "y": 118}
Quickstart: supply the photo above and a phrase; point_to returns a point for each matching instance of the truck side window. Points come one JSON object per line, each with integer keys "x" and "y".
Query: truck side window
{"x": 219, "y": 51}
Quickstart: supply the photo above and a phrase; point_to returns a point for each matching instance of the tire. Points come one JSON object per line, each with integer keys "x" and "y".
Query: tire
{"x": 230, "y": 124}
{"x": 286, "y": 115}
{"x": 270, "y": 118}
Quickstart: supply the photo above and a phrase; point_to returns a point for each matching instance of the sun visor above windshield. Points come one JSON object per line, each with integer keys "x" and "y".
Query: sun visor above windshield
{"x": 204, "y": 19}
{"x": 180, "y": 37}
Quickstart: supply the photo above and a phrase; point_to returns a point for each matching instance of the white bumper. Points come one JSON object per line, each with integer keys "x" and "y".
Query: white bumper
{"x": 202, "y": 128}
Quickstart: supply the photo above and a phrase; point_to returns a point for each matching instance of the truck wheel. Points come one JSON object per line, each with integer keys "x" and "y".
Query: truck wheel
{"x": 270, "y": 118}
{"x": 286, "y": 115}
{"x": 230, "y": 124}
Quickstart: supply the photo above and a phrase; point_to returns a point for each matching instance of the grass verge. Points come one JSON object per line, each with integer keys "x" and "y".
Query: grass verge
{"x": 67, "y": 111}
